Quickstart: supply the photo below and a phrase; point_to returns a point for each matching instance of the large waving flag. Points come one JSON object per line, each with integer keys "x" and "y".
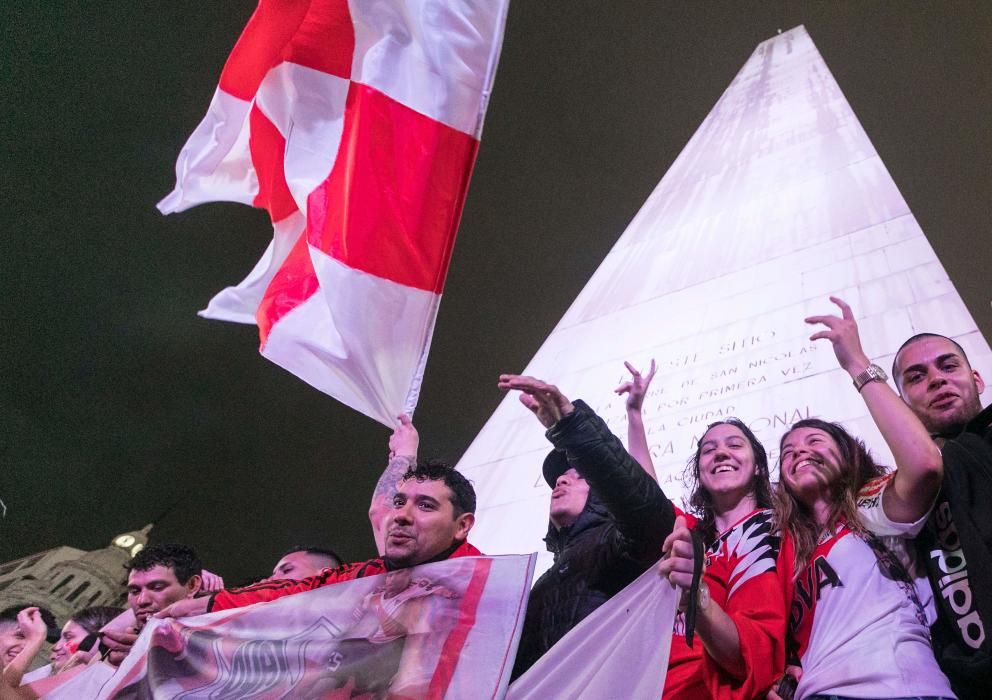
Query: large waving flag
{"x": 355, "y": 125}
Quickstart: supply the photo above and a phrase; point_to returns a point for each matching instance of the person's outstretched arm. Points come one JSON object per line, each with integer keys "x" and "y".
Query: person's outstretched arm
{"x": 403, "y": 444}
{"x": 269, "y": 590}
{"x": 34, "y": 629}
{"x": 643, "y": 514}
{"x": 912, "y": 491}
{"x": 636, "y": 388}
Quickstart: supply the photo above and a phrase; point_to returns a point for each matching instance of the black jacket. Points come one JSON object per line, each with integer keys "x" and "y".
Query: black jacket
{"x": 956, "y": 547}
{"x": 617, "y": 536}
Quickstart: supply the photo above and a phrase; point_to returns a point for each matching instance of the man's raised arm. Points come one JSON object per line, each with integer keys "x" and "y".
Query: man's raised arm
{"x": 403, "y": 444}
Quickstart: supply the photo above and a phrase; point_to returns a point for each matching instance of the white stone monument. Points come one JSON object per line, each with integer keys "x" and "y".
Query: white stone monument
{"x": 778, "y": 200}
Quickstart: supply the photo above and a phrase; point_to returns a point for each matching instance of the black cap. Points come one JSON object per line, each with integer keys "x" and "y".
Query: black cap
{"x": 555, "y": 465}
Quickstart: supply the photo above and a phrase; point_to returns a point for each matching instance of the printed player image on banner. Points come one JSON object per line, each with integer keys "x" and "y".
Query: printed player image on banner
{"x": 435, "y": 630}
{"x": 778, "y": 201}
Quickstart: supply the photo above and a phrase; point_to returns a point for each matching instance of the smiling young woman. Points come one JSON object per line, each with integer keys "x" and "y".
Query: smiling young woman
{"x": 741, "y": 611}
{"x": 741, "y": 615}
{"x": 846, "y": 523}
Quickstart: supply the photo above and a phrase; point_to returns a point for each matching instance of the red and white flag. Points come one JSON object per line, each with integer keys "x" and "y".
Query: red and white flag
{"x": 355, "y": 124}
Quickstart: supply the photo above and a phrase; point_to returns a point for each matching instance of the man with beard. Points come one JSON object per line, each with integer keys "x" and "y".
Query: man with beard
{"x": 432, "y": 512}
{"x": 936, "y": 380}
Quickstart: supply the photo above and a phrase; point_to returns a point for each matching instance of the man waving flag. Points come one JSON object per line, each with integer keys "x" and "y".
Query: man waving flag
{"x": 355, "y": 125}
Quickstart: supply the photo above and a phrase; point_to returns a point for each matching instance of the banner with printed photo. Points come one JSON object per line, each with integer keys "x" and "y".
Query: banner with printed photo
{"x": 447, "y": 629}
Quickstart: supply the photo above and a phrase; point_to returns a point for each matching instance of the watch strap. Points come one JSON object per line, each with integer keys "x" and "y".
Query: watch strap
{"x": 871, "y": 373}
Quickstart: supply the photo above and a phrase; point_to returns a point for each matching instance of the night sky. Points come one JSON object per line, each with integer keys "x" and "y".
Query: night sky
{"x": 119, "y": 405}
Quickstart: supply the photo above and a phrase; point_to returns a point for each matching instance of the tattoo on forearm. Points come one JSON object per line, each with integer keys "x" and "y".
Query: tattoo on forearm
{"x": 395, "y": 470}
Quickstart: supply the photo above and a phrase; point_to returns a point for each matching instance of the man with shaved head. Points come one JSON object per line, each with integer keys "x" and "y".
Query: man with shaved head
{"x": 936, "y": 380}
{"x": 304, "y": 561}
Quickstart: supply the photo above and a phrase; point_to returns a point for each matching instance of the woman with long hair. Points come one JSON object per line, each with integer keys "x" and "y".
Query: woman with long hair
{"x": 845, "y": 522}
{"x": 81, "y": 625}
{"x": 66, "y": 652}
{"x": 741, "y": 613}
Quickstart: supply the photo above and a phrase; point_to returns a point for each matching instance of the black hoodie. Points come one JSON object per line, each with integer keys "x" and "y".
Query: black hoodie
{"x": 956, "y": 548}
{"x": 615, "y": 539}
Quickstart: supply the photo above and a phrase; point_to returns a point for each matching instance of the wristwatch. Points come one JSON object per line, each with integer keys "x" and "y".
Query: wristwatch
{"x": 871, "y": 373}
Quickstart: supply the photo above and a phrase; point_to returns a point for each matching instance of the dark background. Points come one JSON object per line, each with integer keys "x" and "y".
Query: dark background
{"x": 119, "y": 405}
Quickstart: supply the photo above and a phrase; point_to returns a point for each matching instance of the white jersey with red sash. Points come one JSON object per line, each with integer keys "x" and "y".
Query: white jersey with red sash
{"x": 856, "y": 621}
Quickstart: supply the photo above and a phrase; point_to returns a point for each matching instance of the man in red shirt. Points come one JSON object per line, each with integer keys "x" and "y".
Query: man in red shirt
{"x": 303, "y": 561}
{"x": 433, "y": 510}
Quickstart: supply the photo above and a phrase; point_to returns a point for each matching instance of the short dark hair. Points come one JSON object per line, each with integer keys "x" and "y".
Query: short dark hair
{"x": 9, "y": 615}
{"x": 462, "y": 493}
{"x": 181, "y": 558}
{"x": 316, "y": 551}
{"x": 92, "y": 619}
{"x": 921, "y": 336}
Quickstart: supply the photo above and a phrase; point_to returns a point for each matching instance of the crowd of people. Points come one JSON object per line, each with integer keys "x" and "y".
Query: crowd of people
{"x": 843, "y": 579}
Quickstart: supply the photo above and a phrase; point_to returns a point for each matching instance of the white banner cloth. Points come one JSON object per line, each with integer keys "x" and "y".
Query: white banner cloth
{"x": 619, "y": 651}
